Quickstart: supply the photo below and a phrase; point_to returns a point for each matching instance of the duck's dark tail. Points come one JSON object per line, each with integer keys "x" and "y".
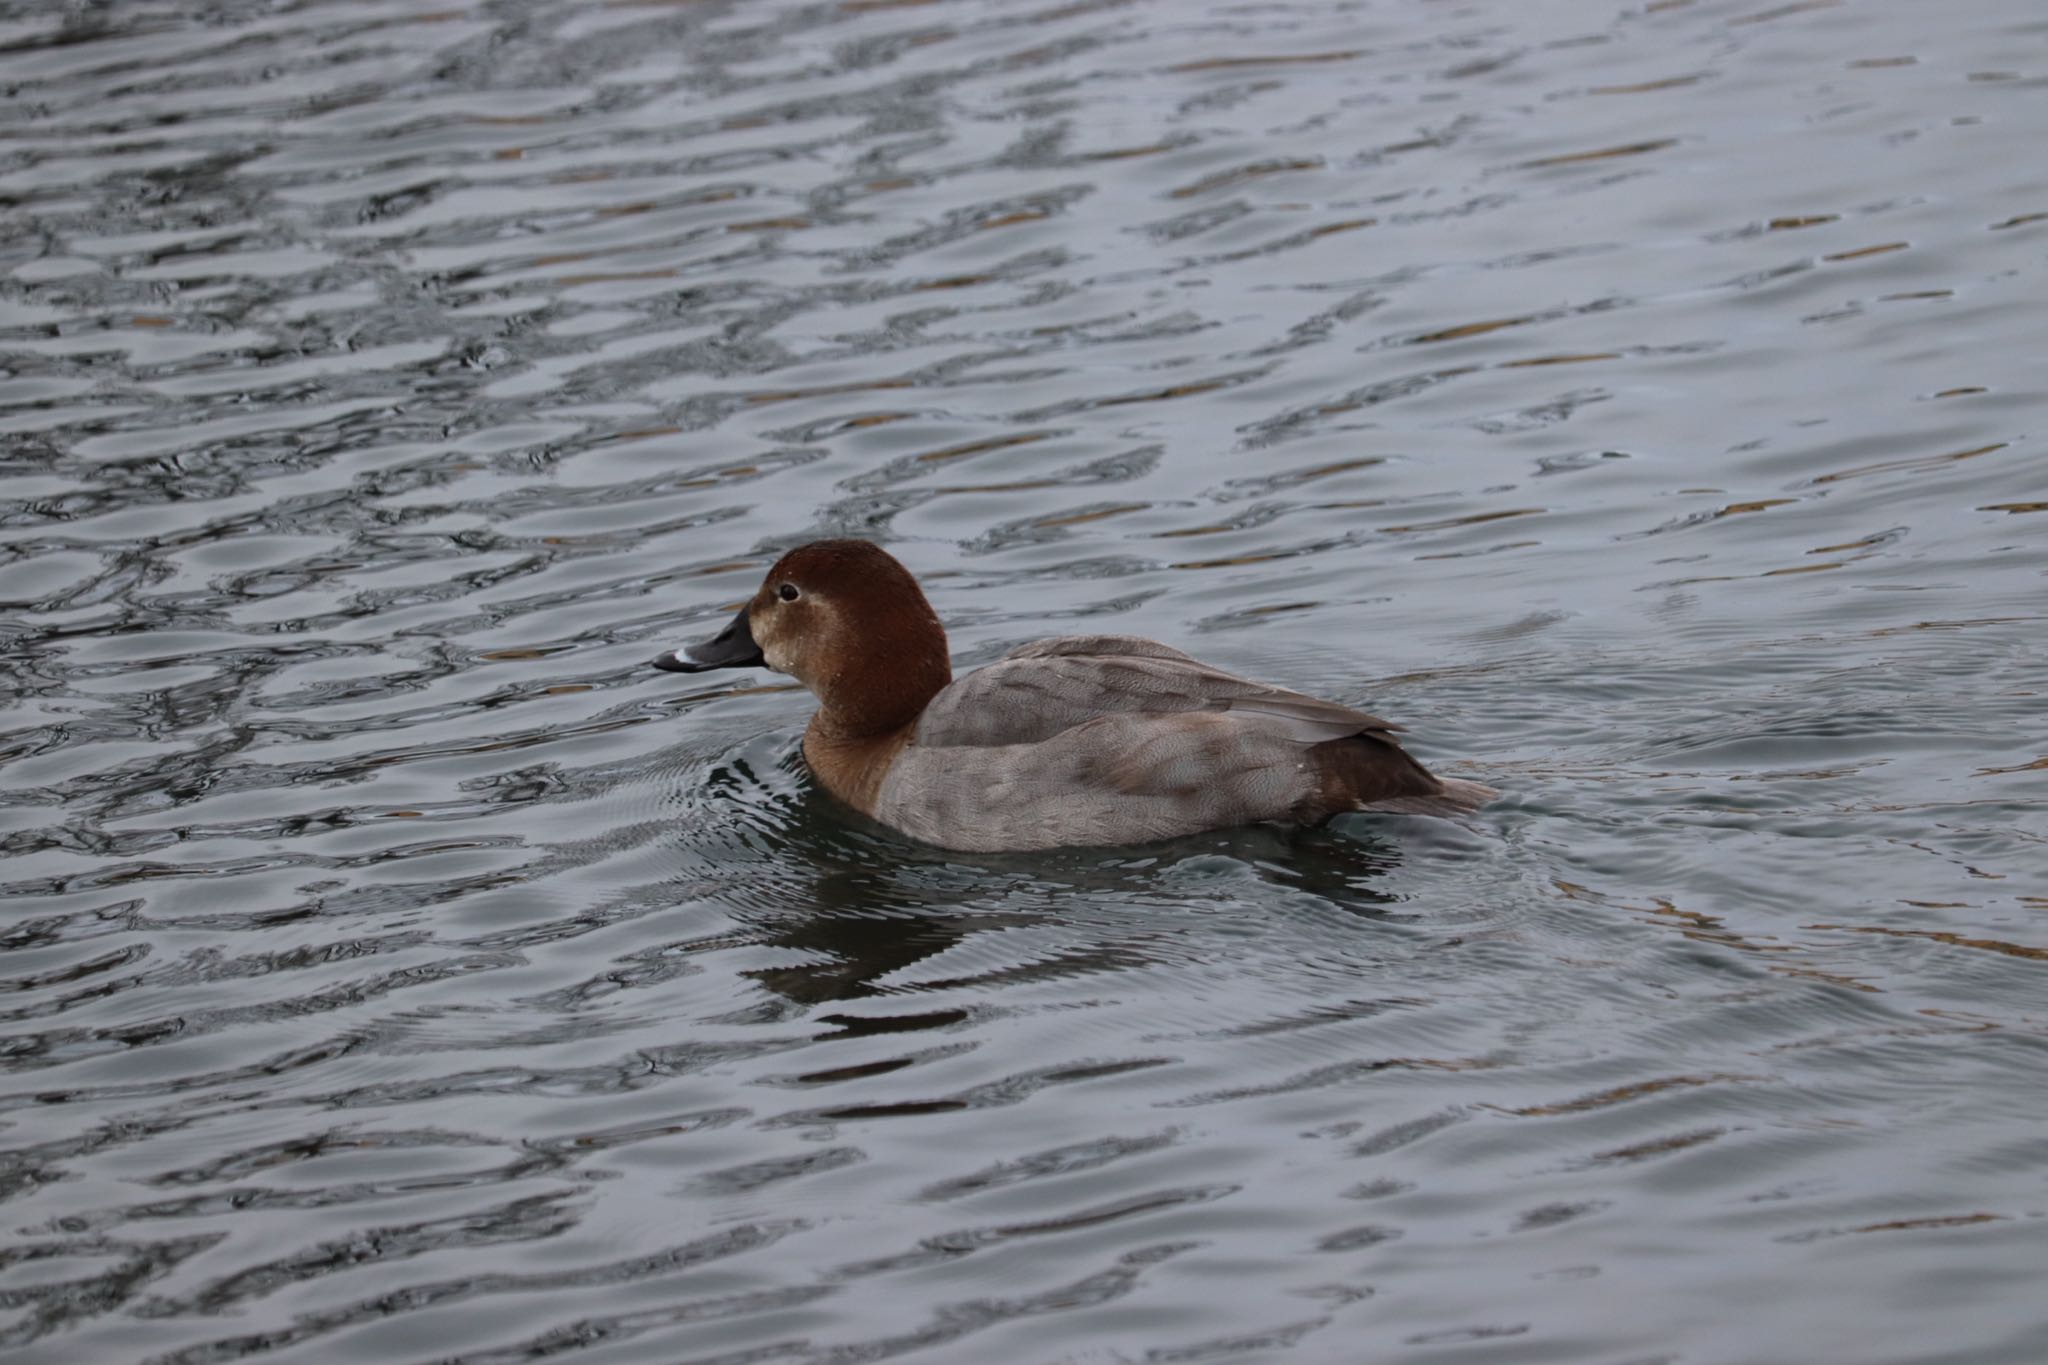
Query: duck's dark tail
{"x": 1369, "y": 771}
{"x": 1456, "y": 797}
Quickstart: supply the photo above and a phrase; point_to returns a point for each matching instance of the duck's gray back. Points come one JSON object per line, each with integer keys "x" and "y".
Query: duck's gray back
{"x": 1044, "y": 688}
{"x": 1114, "y": 739}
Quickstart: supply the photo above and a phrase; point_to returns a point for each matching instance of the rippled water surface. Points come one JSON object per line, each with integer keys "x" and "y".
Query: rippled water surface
{"x": 1641, "y": 404}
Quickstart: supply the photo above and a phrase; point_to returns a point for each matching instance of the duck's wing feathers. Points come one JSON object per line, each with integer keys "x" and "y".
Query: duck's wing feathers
{"x": 1118, "y": 646}
{"x": 1112, "y": 740}
{"x": 1048, "y": 687}
{"x": 1130, "y": 778}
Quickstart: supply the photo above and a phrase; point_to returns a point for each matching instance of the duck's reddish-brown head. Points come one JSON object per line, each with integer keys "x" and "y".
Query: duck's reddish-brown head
{"x": 847, "y": 621}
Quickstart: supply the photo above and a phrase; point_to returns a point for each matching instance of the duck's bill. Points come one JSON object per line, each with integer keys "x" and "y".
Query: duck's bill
{"x": 732, "y": 647}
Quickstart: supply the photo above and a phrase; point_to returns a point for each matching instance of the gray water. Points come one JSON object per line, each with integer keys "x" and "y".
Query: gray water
{"x": 1639, "y": 404}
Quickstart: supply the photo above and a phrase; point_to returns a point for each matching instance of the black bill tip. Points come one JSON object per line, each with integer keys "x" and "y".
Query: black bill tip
{"x": 732, "y": 647}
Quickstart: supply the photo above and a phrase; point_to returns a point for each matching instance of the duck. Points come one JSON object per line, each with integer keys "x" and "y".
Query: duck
{"x": 1075, "y": 741}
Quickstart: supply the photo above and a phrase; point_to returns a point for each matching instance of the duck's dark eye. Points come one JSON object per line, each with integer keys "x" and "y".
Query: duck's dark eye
{"x": 787, "y": 592}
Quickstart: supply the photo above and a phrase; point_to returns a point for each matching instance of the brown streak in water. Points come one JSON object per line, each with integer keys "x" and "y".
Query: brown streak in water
{"x": 1324, "y": 471}
{"x": 1346, "y": 225}
{"x": 1705, "y": 928}
{"x": 1661, "y": 1146}
{"x": 2020, "y": 221}
{"x": 1807, "y": 221}
{"x": 1831, "y": 978}
{"x": 1963, "y": 624}
{"x": 1645, "y": 87}
{"x": 1234, "y": 63}
{"x": 1602, "y": 154}
{"x": 2036, "y": 766}
{"x": 1534, "y": 361}
{"x": 1470, "y": 329}
{"x": 1491, "y": 549}
{"x": 1971, "y": 1023}
{"x": 1783, "y": 11}
{"x": 1800, "y": 775}
{"x": 1863, "y": 251}
{"x": 1008, "y": 219}
{"x": 1804, "y": 568}
{"x": 1621, "y": 1094}
{"x": 1120, "y": 153}
{"x": 793, "y": 224}
{"x": 1915, "y": 1224}
{"x": 1953, "y": 940}
{"x": 1160, "y": 395}
{"x": 1232, "y": 561}
{"x": 961, "y": 452}
{"x": 1475, "y": 519}
{"x": 2015, "y": 507}
{"x": 1863, "y": 544}
{"x": 1918, "y": 462}
{"x": 609, "y": 276}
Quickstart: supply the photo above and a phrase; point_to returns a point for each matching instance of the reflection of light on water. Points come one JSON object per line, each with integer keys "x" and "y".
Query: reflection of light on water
{"x": 390, "y": 952}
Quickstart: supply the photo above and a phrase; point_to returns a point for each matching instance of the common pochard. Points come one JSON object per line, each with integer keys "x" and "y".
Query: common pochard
{"x": 1079, "y": 740}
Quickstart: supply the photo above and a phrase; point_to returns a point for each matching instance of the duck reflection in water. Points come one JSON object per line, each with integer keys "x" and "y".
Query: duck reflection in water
{"x": 871, "y": 917}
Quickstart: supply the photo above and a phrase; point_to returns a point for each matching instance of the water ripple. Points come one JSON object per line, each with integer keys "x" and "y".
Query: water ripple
{"x": 1632, "y": 403}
